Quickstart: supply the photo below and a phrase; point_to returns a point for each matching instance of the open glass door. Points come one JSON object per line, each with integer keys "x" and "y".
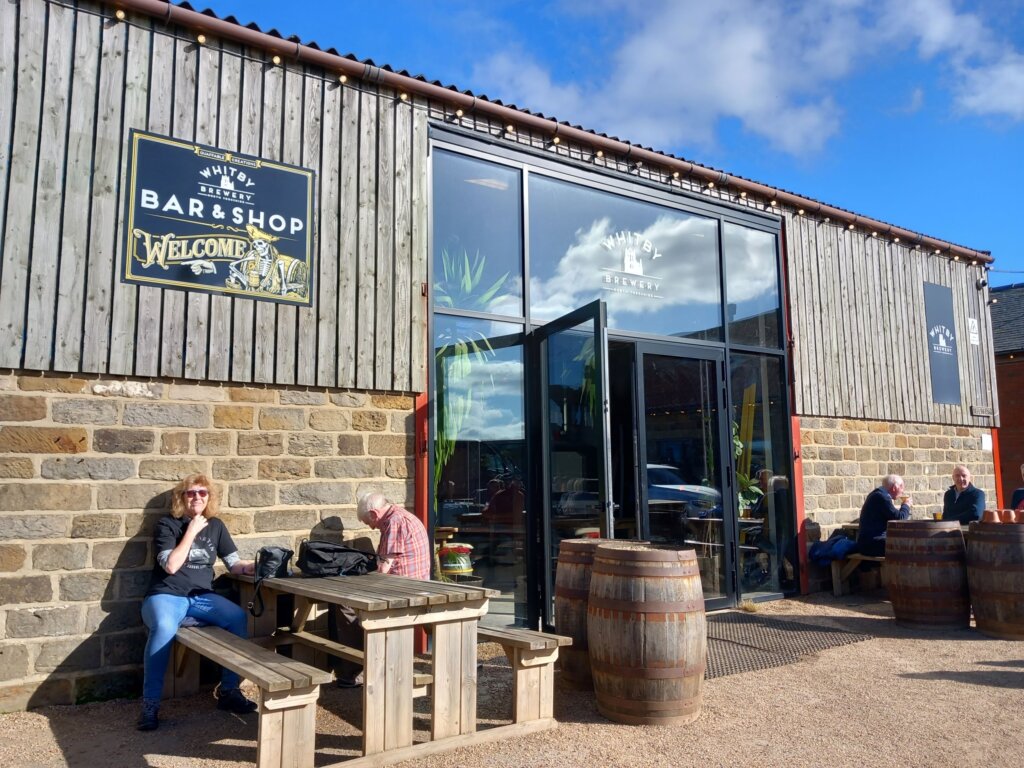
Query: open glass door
{"x": 576, "y": 475}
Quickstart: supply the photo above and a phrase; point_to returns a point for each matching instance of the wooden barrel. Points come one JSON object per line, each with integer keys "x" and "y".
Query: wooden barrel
{"x": 995, "y": 575}
{"x": 572, "y": 586}
{"x": 926, "y": 573}
{"x": 647, "y": 633}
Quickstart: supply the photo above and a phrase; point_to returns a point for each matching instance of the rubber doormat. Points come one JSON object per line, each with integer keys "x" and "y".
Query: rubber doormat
{"x": 743, "y": 642}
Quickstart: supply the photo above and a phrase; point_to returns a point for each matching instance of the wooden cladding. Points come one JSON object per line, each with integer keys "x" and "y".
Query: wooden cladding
{"x": 859, "y": 331}
{"x": 73, "y": 83}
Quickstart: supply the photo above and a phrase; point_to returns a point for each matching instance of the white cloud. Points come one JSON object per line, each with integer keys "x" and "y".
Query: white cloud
{"x": 684, "y": 66}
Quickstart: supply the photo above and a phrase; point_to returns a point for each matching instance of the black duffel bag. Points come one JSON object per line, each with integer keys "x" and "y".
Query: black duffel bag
{"x": 271, "y": 563}
{"x": 325, "y": 558}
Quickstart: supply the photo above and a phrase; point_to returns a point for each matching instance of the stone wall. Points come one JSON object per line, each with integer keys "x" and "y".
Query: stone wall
{"x": 844, "y": 459}
{"x": 86, "y": 466}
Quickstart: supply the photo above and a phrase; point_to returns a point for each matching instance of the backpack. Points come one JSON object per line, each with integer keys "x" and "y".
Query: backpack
{"x": 325, "y": 558}
{"x": 271, "y": 563}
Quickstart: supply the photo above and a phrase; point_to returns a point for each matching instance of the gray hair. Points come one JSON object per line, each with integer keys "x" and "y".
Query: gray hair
{"x": 890, "y": 480}
{"x": 370, "y": 502}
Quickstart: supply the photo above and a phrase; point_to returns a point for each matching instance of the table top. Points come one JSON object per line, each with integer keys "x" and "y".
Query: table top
{"x": 380, "y": 591}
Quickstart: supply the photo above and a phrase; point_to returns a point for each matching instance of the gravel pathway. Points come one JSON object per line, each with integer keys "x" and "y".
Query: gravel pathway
{"x": 902, "y": 698}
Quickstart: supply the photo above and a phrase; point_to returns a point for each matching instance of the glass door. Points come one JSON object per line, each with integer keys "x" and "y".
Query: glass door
{"x": 575, "y": 475}
{"x": 683, "y": 431}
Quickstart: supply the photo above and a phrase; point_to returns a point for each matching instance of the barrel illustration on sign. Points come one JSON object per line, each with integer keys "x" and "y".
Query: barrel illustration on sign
{"x": 205, "y": 219}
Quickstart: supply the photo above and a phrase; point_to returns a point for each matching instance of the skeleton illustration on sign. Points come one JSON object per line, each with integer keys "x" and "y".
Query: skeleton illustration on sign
{"x": 264, "y": 269}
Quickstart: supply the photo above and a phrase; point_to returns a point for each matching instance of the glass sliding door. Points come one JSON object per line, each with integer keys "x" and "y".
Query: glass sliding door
{"x": 575, "y": 484}
{"x": 683, "y": 434}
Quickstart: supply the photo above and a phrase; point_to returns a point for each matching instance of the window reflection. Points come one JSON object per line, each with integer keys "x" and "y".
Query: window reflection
{"x": 763, "y": 467}
{"x": 656, "y": 268}
{"x": 479, "y": 456}
{"x": 477, "y": 235}
{"x": 752, "y": 286}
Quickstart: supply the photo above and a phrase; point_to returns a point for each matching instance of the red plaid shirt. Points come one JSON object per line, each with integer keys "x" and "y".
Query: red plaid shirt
{"x": 403, "y": 540}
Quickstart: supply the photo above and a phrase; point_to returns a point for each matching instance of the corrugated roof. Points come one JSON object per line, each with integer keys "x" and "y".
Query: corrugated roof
{"x": 1008, "y": 319}
{"x": 483, "y": 97}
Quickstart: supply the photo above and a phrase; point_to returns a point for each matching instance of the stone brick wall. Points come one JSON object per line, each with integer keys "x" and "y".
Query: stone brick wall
{"x": 844, "y": 459}
{"x": 86, "y": 466}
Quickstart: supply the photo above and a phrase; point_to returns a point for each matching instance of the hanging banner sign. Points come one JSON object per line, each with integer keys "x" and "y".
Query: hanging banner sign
{"x": 205, "y": 219}
{"x": 942, "y": 344}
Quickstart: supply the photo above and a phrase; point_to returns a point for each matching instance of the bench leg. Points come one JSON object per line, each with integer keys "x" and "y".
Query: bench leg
{"x": 287, "y": 729}
{"x": 182, "y": 675}
{"x": 837, "y": 578}
{"x": 533, "y": 683}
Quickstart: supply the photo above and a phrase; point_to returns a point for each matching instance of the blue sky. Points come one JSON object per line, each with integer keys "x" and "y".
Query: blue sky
{"x": 908, "y": 111}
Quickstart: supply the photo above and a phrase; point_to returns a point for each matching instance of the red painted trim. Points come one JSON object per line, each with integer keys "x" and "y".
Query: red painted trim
{"x": 798, "y": 503}
{"x": 999, "y": 469}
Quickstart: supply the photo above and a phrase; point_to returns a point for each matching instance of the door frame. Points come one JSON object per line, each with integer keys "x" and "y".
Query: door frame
{"x": 730, "y": 526}
{"x": 540, "y": 436}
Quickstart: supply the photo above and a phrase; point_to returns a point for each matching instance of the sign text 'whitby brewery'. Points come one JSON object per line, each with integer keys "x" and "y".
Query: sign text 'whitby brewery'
{"x": 205, "y": 219}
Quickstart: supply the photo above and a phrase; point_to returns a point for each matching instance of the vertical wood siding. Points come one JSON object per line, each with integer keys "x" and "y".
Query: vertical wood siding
{"x": 860, "y": 331}
{"x": 73, "y": 84}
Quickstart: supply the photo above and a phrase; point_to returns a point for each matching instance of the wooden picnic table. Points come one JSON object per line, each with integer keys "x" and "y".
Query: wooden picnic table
{"x": 390, "y": 608}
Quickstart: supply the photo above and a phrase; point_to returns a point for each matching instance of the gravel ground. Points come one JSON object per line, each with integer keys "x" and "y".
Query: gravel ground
{"x": 903, "y": 698}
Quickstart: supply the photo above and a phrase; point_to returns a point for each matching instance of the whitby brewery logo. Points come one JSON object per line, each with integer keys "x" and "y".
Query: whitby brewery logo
{"x": 943, "y": 342}
{"x": 206, "y": 219}
{"x": 633, "y": 250}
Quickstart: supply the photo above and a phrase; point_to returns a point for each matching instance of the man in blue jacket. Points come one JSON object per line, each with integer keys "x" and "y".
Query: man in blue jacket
{"x": 963, "y": 501}
{"x": 879, "y": 508}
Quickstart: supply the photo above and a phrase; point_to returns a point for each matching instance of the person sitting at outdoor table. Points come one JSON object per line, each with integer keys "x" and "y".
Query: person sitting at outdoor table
{"x": 963, "y": 501}
{"x": 404, "y": 550}
{"x": 1017, "y": 502}
{"x": 187, "y": 543}
{"x": 879, "y": 508}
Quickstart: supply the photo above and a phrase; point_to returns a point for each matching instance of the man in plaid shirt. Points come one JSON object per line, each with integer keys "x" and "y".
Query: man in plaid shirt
{"x": 404, "y": 550}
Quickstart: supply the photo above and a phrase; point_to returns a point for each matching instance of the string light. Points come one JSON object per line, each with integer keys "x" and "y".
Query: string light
{"x": 895, "y": 239}
{"x": 874, "y": 234}
{"x": 459, "y": 113}
{"x": 403, "y": 96}
{"x": 800, "y": 212}
{"x": 342, "y": 78}
{"x": 599, "y": 153}
{"x": 201, "y": 38}
{"x": 675, "y": 174}
{"x": 743, "y": 195}
{"x": 276, "y": 60}
{"x": 119, "y": 14}
{"x": 510, "y": 128}
{"x": 850, "y": 227}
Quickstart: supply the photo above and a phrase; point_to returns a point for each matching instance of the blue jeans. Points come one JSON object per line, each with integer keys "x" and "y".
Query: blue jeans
{"x": 163, "y": 614}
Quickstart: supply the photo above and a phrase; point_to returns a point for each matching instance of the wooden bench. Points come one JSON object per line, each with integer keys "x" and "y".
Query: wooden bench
{"x": 421, "y": 682}
{"x": 288, "y": 691}
{"x": 532, "y": 656}
{"x": 843, "y": 569}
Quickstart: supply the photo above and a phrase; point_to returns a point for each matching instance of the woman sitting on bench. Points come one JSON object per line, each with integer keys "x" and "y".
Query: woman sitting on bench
{"x": 187, "y": 543}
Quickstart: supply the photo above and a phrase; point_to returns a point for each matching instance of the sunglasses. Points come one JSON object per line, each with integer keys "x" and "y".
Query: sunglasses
{"x": 202, "y": 493}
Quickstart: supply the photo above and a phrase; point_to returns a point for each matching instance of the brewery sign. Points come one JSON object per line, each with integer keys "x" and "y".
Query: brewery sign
{"x": 206, "y": 219}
